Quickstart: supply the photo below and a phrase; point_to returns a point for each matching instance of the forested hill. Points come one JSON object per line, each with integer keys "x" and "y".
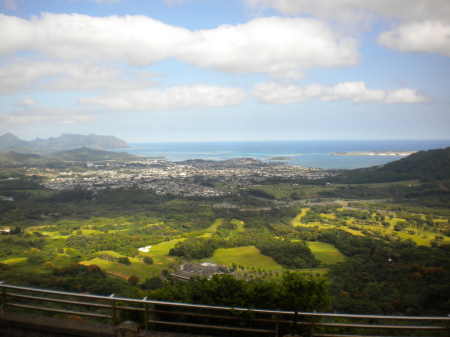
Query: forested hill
{"x": 83, "y": 154}
{"x": 71, "y": 141}
{"x": 86, "y": 154}
{"x": 9, "y": 142}
{"x": 424, "y": 165}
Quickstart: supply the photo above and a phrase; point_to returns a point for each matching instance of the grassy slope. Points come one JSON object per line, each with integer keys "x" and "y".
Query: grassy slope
{"x": 246, "y": 256}
{"x": 326, "y": 253}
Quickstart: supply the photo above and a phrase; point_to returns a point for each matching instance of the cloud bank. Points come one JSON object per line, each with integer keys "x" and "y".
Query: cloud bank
{"x": 427, "y": 36}
{"x": 175, "y": 98}
{"x": 25, "y": 75}
{"x": 405, "y": 10}
{"x": 273, "y": 93}
{"x": 269, "y": 45}
{"x": 422, "y": 26}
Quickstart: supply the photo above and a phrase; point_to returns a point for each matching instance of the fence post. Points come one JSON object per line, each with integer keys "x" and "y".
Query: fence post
{"x": 448, "y": 328}
{"x": 145, "y": 314}
{"x": 277, "y": 325}
{"x": 3, "y": 297}
{"x": 313, "y": 327}
{"x": 113, "y": 317}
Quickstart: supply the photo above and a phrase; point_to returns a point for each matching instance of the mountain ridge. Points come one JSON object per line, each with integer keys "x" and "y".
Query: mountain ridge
{"x": 10, "y": 142}
{"x": 423, "y": 165}
{"x": 83, "y": 154}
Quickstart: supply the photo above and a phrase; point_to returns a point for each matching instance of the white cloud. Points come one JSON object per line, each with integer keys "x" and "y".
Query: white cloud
{"x": 174, "y": 98}
{"x": 26, "y": 102}
{"x": 405, "y": 96}
{"x": 272, "y": 93}
{"x": 271, "y": 45}
{"x": 265, "y": 45}
{"x": 351, "y": 10}
{"x": 427, "y": 36}
{"x": 38, "y": 115}
{"x": 22, "y": 76}
{"x": 424, "y": 25}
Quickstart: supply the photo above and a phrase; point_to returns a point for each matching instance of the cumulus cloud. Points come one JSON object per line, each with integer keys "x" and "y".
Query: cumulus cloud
{"x": 22, "y": 76}
{"x": 174, "y": 98}
{"x": 26, "y": 102}
{"x": 423, "y": 25}
{"x": 427, "y": 36}
{"x": 350, "y": 10}
{"x": 264, "y": 45}
{"x": 38, "y": 115}
{"x": 272, "y": 93}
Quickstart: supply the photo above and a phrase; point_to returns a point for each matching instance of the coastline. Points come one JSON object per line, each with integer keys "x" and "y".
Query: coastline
{"x": 374, "y": 153}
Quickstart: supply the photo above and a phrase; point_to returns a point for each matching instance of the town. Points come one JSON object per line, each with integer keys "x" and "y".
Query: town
{"x": 187, "y": 178}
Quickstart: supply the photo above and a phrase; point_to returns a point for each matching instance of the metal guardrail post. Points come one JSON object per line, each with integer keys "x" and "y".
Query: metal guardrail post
{"x": 277, "y": 318}
{"x": 448, "y": 328}
{"x": 3, "y": 297}
{"x": 145, "y": 314}
{"x": 277, "y": 325}
{"x": 113, "y": 316}
{"x": 313, "y": 327}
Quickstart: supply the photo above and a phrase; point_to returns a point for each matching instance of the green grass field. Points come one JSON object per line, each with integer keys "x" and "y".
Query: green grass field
{"x": 137, "y": 267}
{"x": 297, "y": 220}
{"x": 159, "y": 253}
{"x": 162, "y": 249}
{"x": 214, "y": 226}
{"x": 239, "y": 224}
{"x": 13, "y": 261}
{"x": 245, "y": 256}
{"x": 326, "y": 253}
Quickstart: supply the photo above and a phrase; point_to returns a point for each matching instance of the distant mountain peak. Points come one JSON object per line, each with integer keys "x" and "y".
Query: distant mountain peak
{"x": 10, "y": 142}
{"x": 67, "y": 141}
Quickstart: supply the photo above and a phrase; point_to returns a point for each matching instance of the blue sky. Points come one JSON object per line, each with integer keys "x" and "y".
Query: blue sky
{"x": 216, "y": 70}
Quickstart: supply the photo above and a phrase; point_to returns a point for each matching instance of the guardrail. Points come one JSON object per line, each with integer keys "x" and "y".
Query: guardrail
{"x": 197, "y": 319}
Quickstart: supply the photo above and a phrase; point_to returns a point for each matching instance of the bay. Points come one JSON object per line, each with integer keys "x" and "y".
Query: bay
{"x": 305, "y": 153}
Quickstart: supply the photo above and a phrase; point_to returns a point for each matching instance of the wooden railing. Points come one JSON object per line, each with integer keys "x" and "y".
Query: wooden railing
{"x": 215, "y": 320}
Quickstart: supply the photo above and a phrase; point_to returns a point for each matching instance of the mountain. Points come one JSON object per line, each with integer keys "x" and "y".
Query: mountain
{"x": 13, "y": 157}
{"x": 424, "y": 165}
{"x": 9, "y": 142}
{"x": 72, "y": 141}
{"x": 85, "y": 154}
{"x": 77, "y": 155}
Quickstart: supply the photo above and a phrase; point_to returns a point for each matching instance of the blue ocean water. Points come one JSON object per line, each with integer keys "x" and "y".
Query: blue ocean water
{"x": 305, "y": 153}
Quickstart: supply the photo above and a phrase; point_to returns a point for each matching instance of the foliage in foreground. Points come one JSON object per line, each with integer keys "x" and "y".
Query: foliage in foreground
{"x": 291, "y": 291}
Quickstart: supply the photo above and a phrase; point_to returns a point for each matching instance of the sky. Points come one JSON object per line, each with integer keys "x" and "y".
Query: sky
{"x": 225, "y": 70}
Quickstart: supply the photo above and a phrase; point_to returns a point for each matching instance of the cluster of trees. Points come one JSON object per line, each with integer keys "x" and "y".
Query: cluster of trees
{"x": 291, "y": 291}
{"x": 288, "y": 254}
{"x": 73, "y": 277}
{"x": 384, "y": 277}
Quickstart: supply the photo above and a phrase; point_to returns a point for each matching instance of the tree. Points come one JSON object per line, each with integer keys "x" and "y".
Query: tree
{"x": 398, "y": 227}
{"x": 151, "y": 283}
{"x": 133, "y": 279}
{"x": 124, "y": 260}
{"x": 147, "y": 260}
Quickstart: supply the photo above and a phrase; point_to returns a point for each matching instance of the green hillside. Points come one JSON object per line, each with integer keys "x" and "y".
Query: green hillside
{"x": 424, "y": 165}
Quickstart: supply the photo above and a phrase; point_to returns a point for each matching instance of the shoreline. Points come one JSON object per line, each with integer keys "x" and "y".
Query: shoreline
{"x": 374, "y": 153}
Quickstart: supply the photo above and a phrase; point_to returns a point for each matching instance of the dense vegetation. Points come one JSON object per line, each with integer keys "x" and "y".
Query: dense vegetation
{"x": 424, "y": 165}
{"x": 397, "y": 251}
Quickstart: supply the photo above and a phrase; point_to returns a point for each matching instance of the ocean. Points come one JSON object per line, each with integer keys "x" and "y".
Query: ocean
{"x": 305, "y": 153}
